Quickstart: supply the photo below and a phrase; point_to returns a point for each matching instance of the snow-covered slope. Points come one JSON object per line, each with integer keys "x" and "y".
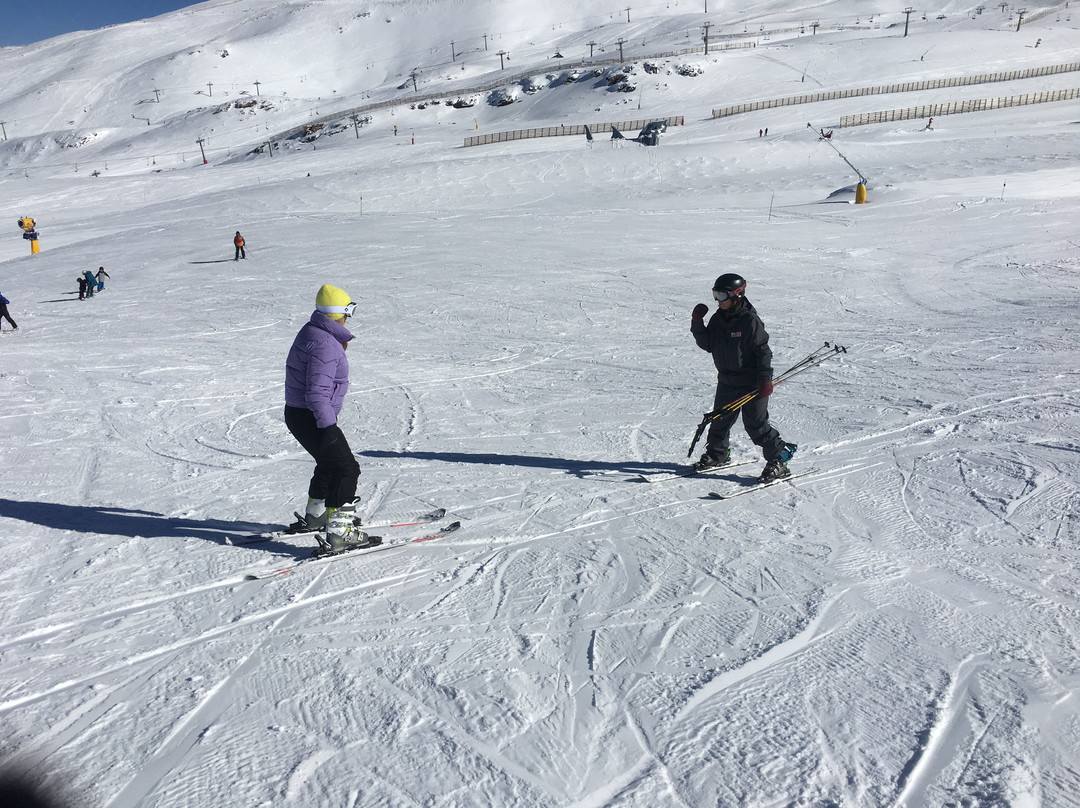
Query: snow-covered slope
{"x": 897, "y": 627}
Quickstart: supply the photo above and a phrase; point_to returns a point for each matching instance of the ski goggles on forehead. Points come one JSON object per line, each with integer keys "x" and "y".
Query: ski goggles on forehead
{"x": 347, "y": 309}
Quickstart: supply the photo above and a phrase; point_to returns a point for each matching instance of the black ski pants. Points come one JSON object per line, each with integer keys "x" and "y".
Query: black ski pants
{"x": 755, "y": 417}
{"x": 5, "y": 316}
{"x": 336, "y": 470}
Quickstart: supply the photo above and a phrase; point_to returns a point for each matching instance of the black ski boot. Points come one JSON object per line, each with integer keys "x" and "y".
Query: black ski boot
{"x": 776, "y": 469}
{"x": 711, "y": 461}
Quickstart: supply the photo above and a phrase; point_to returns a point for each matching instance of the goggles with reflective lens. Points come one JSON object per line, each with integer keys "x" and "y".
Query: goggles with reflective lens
{"x": 347, "y": 309}
{"x": 722, "y": 296}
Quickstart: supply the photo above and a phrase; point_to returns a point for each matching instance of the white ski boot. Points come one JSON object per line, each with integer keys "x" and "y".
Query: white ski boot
{"x": 343, "y": 532}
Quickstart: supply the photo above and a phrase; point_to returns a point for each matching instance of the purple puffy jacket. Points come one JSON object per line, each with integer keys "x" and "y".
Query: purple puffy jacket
{"x": 317, "y": 370}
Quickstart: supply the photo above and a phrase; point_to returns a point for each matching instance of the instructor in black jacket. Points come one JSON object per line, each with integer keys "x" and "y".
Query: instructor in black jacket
{"x": 739, "y": 344}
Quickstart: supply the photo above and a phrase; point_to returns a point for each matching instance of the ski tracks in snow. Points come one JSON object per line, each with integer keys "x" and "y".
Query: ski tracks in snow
{"x": 186, "y": 733}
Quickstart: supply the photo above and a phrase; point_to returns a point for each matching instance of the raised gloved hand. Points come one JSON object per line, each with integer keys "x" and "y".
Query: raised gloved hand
{"x": 700, "y": 310}
{"x": 764, "y": 389}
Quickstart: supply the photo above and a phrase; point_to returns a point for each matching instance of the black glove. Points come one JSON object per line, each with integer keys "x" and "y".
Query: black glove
{"x": 700, "y": 310}
{"x": 328, "y": 436}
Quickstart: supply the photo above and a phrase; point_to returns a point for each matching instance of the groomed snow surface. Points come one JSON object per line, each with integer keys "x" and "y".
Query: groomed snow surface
{"x": 900, "y": 627}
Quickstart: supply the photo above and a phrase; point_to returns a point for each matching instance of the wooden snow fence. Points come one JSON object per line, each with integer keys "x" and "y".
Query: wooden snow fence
{"x": 957, "y": 107}
{"x": 906, "y": 87}
{"x": 600, "y": 131}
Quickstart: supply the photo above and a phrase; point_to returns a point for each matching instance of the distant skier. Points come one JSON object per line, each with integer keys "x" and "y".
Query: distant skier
{"x": 4, "y": 315}
{"x": 316, "y": 380}
{"x": 238, "y": 243}
{"x": 739, "y": 344}
{"x": 91, "y": 283}
{"x": 100, "y": 277}
{"x": 82, "y": 286}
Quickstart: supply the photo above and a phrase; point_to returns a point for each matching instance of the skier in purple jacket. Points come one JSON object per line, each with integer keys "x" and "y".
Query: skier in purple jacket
{"x": 316, "y": 380}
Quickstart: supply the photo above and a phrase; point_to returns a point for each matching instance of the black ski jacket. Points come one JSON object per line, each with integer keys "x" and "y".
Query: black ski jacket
{"x": 738, "y": 343}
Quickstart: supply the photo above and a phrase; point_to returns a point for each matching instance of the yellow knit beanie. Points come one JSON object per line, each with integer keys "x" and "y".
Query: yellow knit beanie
{"x": 332, "y": 302}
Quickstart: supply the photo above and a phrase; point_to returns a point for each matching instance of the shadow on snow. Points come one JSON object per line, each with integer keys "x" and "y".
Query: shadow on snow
{"x": 579, "y": 468}
{"x": 132, "y": 523}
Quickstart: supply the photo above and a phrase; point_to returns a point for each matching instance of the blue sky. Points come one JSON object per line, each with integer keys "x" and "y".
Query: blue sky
{"x": 42, "y": 20}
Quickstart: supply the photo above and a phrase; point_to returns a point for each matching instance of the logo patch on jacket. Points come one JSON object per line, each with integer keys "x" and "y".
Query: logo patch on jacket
{"x": 736, "y": 334}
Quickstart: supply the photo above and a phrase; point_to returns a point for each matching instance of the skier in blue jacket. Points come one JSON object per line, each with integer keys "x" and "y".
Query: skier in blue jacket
{"x": 4, "y": 315}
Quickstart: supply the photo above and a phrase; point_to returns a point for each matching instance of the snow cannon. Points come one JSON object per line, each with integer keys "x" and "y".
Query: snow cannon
{"x": 26, "y": 224}
{"x": 860, "y": 193}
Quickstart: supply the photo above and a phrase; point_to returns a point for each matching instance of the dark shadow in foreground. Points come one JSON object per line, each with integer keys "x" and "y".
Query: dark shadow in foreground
{"x": 18, "y": 792}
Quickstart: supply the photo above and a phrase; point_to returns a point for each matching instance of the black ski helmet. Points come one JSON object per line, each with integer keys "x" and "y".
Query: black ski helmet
{"x": 731, "y": 283}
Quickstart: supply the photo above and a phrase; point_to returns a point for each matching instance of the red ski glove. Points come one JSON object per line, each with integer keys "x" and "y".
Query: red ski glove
{"x": 764, "y": 389}
{"x": 700, "y": 310}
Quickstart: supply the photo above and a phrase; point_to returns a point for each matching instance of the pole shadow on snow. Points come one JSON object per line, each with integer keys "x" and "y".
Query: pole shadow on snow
{"x": 217, "y": 261}
{"x": 134, "y": 524}
{"x": 579, "y": 468}
{"x": 62, "y": 300}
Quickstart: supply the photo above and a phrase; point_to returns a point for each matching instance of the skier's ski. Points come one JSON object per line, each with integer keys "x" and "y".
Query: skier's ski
{"x": 325, "y": 559}
{"x": 690, "y": 472}
{"x": 757, "y": 486}
{"x": 407, "y": 521}
{"x": 830, "y": 474}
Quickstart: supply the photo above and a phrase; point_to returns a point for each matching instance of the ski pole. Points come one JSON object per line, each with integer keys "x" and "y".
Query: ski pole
{"x": 812, "y": 360}
{"x": 734, "y": 406}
